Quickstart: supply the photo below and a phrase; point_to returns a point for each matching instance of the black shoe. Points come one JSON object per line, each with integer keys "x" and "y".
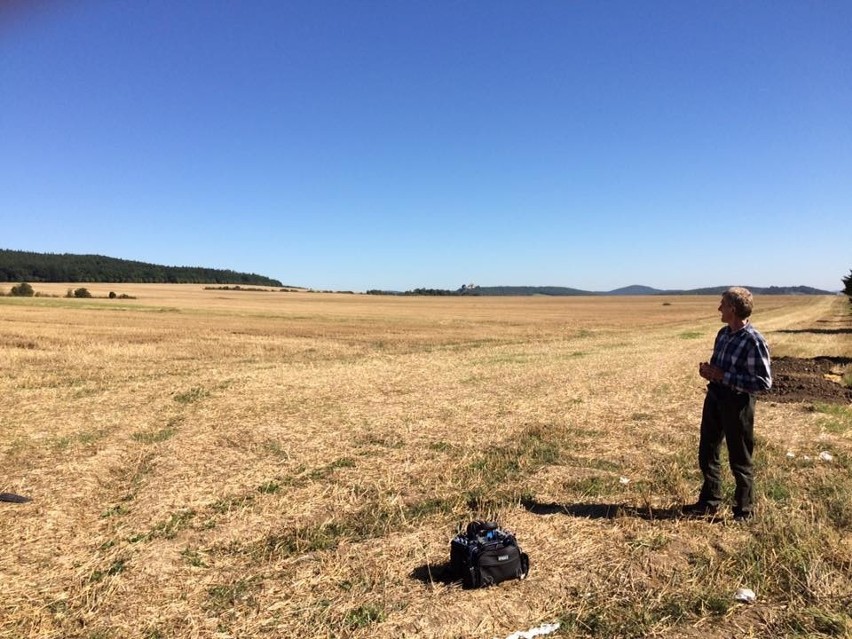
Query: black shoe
{"x": 699, "y": 509}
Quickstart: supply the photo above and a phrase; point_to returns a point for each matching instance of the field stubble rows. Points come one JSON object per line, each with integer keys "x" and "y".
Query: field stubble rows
{"x": 247, "y": 464}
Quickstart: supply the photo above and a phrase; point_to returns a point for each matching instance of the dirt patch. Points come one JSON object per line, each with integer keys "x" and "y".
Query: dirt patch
{"x": 810, "y": 380}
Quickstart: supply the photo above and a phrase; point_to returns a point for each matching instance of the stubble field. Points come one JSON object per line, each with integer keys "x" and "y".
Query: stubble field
{"x": 250, "y": 464}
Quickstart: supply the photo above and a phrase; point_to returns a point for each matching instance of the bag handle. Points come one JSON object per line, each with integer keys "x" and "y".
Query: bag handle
{"x": 477, "y": 527}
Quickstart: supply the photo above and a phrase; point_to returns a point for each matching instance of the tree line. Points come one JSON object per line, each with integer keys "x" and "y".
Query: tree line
{"x": 24, "y": 266}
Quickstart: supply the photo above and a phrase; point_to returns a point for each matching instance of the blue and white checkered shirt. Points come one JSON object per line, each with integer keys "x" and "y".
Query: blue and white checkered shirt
{"x": 744, "y": 357}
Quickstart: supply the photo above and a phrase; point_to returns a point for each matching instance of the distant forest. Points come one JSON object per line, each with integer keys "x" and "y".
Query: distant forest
{"x": 23, "y": 266}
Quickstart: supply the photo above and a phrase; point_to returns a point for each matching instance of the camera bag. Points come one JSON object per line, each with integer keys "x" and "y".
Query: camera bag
{"x": 486, "y": 555}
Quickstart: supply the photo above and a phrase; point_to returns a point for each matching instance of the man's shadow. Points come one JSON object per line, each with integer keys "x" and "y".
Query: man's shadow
{"x": 602, "y": 511}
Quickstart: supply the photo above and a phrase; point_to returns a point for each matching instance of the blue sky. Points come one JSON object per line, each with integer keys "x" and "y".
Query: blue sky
{"x": 360, "y": 144}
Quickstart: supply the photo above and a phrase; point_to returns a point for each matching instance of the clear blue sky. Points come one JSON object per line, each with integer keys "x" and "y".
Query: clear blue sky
{"x": 397, "y": 144}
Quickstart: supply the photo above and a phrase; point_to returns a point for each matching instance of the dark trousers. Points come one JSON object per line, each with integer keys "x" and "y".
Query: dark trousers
{"x": 727, "y": 415}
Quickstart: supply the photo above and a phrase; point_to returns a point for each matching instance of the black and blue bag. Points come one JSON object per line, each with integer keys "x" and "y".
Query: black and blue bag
{"x": 485, "y": 555}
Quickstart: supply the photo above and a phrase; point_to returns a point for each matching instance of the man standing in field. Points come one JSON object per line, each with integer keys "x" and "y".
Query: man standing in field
{"x": 739, "y": 368}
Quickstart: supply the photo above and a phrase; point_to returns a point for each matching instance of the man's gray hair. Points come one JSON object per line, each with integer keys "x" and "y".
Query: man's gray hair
{"x": 741, "y": 299}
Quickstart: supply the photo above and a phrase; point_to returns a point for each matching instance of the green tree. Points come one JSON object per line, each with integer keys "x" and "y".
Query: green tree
{"x": 847, "y": 281}
{"x": 23, "y": 290}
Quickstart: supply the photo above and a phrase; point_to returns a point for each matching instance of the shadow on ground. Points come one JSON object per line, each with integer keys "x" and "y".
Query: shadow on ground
{"x": 436, "y": 574}
{"x": 601, "y": 511}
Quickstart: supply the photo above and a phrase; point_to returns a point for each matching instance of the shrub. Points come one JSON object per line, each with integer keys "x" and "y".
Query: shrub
{"x": 82, "y": 292}
{"x": 22, "y": 290}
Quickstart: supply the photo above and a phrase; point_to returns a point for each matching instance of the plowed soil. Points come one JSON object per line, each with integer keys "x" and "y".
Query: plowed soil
{"x": 810, "y": 380}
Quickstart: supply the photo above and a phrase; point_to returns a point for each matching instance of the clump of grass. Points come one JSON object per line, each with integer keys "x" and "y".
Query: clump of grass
{"x": 154, "y": 436}
{"x": 384, "y": 442}
{"x": 364, "y": 615}
{"x": 234, "y": 502}
{"x": 522, "y": 455}
{"x": 116, "y": 511}
{"x": 193, "y": 558}
{"x": 811, "y": 621}
{"x": 269, "y": 488}
{"x": 223, "y": 597}
{"x": 305, "y": 539}
{"x": 194, "y": 394}
{"x": 328, "y": 469}
{"x": 585, "y": 487}
{"x": 115, "y": 568}
{"x": 167, "y": 529}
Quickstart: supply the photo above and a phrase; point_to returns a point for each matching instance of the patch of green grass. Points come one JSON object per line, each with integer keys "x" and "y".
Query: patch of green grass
{"x": 116, "y": 568}
{"x": 531, "y": 450}
{"x": 234, "y": 502}
{"x": 838, "y": 418}
{"x": 275, "y": 449}
{"x": 776, "y": 489}
{"x": 61, "y": 443}
{"x": 306, "y": 539}
{"x": 650, "y": 540}
{"x": 590, "y": 486}
{"x": 328, "y": 469}
{"x": 430, "y": 506}
{"x": 833, "y": 496}
{"x": 691, "y": 335}
{"x": 364, "y": 615}
{"x": 602, "y": 464}
{"x": 785, "y": 557}
{"x": 167, "y": 529}
{"x": 507, "y": 358}
{"x": 193, "y": 558}
{"x": 154, "y": 436}
{"x": 384, "y": 442}
{"x": 115, "y": 511}
{"x": 223, "y": 597}
{"x": 91, "y": 436}
{"x": 194, "y": 394}
{"x": 269, "y": 488}
{"x": 377, "y": 517}
{"x": 810, "y": 621}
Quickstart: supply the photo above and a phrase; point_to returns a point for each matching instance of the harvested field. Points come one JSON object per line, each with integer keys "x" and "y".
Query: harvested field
{"x": 207, "y": 463}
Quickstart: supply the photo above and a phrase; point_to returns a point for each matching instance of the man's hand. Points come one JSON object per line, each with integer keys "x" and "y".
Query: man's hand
{"x": 710, "y": 373}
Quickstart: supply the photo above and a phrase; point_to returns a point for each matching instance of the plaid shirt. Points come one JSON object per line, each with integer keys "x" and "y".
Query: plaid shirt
{"x": 744, "y": 357}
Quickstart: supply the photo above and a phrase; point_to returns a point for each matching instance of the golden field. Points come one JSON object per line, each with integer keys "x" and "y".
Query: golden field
{"x": 212, "y": 464}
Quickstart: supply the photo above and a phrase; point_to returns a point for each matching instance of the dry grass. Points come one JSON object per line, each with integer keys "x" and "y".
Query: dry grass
{"x": 265, "y": 464}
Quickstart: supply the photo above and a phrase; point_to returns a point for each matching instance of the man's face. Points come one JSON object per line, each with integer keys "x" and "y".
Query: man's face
{"x": 727, "y": 311}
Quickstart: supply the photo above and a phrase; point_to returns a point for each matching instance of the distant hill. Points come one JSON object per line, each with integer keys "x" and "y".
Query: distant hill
{"x": 635, "y": 289}
{"x": 718, "y": 290}
{"x": 24, "y": 266}
{"x": 526, "y": 290}
{"x": 562, "y": 291}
